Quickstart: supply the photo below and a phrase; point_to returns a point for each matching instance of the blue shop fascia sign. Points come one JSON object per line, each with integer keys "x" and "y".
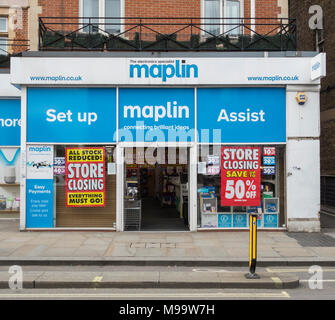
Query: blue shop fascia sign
{"x": 220, "y": 115}
{"x": 105, "y": 116}
{"x": 241, "y": 115}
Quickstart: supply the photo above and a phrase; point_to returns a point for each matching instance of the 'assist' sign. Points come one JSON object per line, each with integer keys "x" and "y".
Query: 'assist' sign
{"x": 85, "y": 177}
{"x": 240, "y": 176}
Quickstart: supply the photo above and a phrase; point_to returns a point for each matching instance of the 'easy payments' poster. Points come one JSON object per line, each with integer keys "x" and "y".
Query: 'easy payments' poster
{"x": 85, "y": 177}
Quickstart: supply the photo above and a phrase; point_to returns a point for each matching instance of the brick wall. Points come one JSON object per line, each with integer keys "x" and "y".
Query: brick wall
{"x": 306, "y": 41}
{"x": 328, "y": 148}
{"x": 17, "y": 33}
{"x": 267, "y": 9}
{"x": 134, "y": 8}
{"x": 192, "y": 8}
{"x": 163, "y": 8}
{"x": 60, "y": 8}
{"x": 21, "y": 34}
{"x": 147, "y": 8}
{"x": 143, "y": 8}
{"x": 157, "y": 8}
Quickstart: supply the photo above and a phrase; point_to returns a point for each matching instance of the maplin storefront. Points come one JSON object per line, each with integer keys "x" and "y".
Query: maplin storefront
{"x": 169, "y": 142}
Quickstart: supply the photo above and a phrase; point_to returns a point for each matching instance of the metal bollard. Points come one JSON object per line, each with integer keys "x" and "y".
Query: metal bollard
{"x": 253, "y": 248}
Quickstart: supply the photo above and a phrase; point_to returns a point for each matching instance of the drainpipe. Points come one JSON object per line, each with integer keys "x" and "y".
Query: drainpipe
{"x": 61, "y": 13}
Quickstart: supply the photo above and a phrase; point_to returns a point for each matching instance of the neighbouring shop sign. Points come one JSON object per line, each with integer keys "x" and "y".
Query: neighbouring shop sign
{"x": 85, "y": 177}
{"x": 10, "y": 122}
{"x": 240, "y": 176}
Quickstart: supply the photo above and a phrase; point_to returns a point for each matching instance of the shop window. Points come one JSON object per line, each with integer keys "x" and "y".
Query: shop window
{"x": 109, "y": 10}
{"x": 9, "y": 180}
{"x": 215, "y": 12}
{"x": 156, "y": 189}
{"x": 214, "y": 213}
{"x": 89, "y": 178}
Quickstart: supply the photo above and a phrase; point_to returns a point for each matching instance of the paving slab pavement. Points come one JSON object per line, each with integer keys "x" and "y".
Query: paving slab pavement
{"x": 175, "y": 248}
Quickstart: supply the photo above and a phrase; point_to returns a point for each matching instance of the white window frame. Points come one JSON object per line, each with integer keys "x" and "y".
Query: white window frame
{"x": 102, "y": 12}
{"x": 223, "y": 14}
{"x": 6, "y": 29}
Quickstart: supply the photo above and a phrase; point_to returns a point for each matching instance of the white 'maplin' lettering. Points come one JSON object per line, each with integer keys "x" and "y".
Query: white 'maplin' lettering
{"x": 171, "y": 110}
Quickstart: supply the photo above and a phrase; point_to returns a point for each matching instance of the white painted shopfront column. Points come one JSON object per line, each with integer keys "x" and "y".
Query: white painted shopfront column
{"x": 23, "y": 158}
{"x": 303, "y": 160}
{"x": 193, "y": 188}
{"x": 119, "y": 187}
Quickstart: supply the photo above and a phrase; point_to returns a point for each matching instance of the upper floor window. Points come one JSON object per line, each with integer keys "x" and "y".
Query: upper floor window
{"x": 222, "y": 9}
{"x": 106, "y": 9}
{"x": 3, "y": 46}
{"x": 3, "y": 24}
{"x": 3, "y": 35}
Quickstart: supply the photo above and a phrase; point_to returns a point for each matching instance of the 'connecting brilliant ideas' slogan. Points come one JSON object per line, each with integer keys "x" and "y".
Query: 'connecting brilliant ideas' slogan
{"x": 85, "y": 177}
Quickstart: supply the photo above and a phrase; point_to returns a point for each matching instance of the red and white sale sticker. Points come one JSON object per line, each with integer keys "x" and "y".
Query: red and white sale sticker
{"x": 240, "y": 176}
{"x": 269, "y": 151}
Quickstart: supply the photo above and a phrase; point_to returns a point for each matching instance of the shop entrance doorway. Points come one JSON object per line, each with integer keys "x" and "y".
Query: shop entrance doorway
{"x": 156, "y": 193}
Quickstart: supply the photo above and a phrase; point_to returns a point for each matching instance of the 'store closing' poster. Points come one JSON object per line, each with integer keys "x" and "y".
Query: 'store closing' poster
{"x": 240, "y": 176}
{"x": 85, "y": 177}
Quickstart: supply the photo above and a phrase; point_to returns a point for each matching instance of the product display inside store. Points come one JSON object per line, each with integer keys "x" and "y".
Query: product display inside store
{"x": 9, "y": 181}
{"x": 234, "y": 182}
{"x": 156, "y": 189}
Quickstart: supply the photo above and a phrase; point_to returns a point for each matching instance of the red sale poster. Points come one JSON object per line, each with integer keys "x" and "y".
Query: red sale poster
{"x": 240, "y": 176}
